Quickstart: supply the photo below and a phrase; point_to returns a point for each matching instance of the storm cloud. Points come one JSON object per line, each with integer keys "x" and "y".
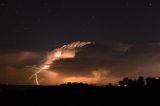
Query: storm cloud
{"x": 14, "y": 66}
{"x": 99, "y": 63}
{"x": 119, "y": 59}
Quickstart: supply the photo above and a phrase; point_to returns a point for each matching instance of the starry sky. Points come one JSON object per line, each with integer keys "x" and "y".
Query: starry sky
{"x": 126, "y": 36}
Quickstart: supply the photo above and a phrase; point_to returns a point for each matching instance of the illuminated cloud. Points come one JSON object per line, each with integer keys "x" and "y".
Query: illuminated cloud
{"x": 13, "y": 66}
{"x": 64, "y": 52}
{"x": 97, "y": 63}
{"x": 121, "y": 59}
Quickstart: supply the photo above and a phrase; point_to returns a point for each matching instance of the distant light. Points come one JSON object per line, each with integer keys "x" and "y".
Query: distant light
{"x": 125, "y": 85}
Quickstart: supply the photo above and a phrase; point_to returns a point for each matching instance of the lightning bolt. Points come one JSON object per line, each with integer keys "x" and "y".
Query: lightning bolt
{"x": 66, "y": 51}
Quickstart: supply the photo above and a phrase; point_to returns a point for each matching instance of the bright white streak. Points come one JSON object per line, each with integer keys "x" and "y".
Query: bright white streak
{"x": 36, "y": 79}
{"x": 66, "y": 51}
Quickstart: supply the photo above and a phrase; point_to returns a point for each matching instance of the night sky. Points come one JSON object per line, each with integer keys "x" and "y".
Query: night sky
{"x": 125, "y": 36}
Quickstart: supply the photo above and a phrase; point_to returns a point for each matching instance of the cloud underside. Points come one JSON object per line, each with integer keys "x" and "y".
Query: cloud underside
{"x": 98, "y": 63}
{"x": 116, "y": 58}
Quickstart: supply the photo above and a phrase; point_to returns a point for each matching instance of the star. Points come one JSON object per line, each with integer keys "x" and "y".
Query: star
{"x": 84, "y": 25}
{"x": 26, "y": 28}
{"x": 49, "y": 10}
{"x": 126, "y": 3}
{"x": 93, "y": 17}
{"x": 38, "y": 20}
{"x": 2, "y": 4}
{"x": 150, "y": 4}
{"x": 17, "y": 12}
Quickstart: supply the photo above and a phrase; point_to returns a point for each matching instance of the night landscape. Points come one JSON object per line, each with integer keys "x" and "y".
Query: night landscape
{"x": 79, "y": 52}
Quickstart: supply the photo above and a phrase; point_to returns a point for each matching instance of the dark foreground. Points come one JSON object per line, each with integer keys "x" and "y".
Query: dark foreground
{"x": 78, "y": 94}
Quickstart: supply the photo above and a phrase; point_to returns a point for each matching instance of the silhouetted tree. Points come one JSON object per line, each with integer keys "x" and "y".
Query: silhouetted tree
{"x": 127, "y": 82}
{"x": 152, "y": 82}
{"x": 140, "y": 81}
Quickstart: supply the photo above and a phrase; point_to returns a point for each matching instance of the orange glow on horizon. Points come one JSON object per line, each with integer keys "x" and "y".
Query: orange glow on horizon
{"x": 97, "y": 77}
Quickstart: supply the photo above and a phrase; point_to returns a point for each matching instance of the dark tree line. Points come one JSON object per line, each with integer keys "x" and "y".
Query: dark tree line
{"x": 140, "y": 82}
{"x": 126, "y": 82}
